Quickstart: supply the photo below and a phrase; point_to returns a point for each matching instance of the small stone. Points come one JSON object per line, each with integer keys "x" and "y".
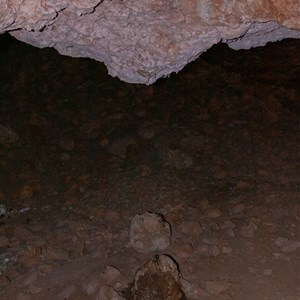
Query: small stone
{"x": 230, "y": 232}
{"x": 26, "y": 192}
{"x": 280, "y": 241}
{"x": 184, "y": 251}
{"x": 203, "y": 250}
{"x": 108, "y": 293}
{"x": 247, "y": 231}
{"x": 227, "y": 225}
{"x": 226, "y": 250}
{"x": 55, "y": 252}
{"x": 213, "y": 212}
{"x": 267, "y": 272}
{"x": 91, "y": 285}
{"x": 104, "y": 142}
{"x": 4, "y": 241}
{"x": 7, "y": 136}
{"x": 112, "y": 275}
{"x": 217, "y": 286}
{"x": 65, "y": 157}
{"x": 45, "y": 269}
{"x": 290, "y": 246}
{"x": 30, "y": 278}
{"x": 34, "y": 289}
{"x": 149, "y": 232}
{"x": 191, "y": 229}
{"x": 214, "y": 251}
{"x": 220, "y": 174}
{"x": 242, "y": 185}
{"x": 148, "y": 131}
{"x": 4, "y": 280}
{"x": 72, "y": 292}
{"x": 67, "y": 144}
{"x": 23, "y": 296}
{"x": 237, "y": 209}
{"x": 193, "y": 291}
{"x": 119, "y": 147}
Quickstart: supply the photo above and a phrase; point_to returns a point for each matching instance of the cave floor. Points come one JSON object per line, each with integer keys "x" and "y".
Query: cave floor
{"x": 214, "y": 149}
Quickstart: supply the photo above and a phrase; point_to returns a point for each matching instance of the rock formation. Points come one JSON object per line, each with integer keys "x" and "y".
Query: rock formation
{"x": 141, "y": 41}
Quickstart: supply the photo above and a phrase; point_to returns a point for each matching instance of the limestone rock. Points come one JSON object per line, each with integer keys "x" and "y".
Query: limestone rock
{"x": 149, "y": 232}
{"x": 141, "y": 41}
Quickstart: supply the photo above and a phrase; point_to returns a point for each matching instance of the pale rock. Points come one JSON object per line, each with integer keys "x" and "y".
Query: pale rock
{"x": 280, "y": 241}
{"x": 213, "y": 212}
{"x": 267, "y": 272}
{"x": 230, "y": 232}
{"x": 112, "y": 276}
{"x": 228, "y": 224}
{"x": 142, "y": 41}
{"x": 214, "y": 251}
{"x": 192, "y": 290}
{"x": 107, "y": 293}
{"x": 191, "y": 229}
{"x": 203, "y": 250}
{"x": 290, "y": 246}
{"x": 72, "y": 292}
{"x": 149, "y": 232}
{"x": 226, "y": 249}
{"x": 217, "y": 286}
{"x": 184, "y": 251}
{"x": 92, "y": 284}
{"x": 45, "y": 269}
{"x": 34, "y": 289}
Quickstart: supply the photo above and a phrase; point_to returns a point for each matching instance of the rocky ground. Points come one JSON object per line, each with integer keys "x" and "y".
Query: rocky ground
{"x": 211, "y": 152}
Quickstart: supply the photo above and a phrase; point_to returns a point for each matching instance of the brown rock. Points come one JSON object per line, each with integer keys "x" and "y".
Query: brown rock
{"x": 217, "y": 286}
{"x": 184, "y": 251}
{"x": 67, "y": 144}
{"x": 213, "y": 212}
{"x": 159, "y": 278}
{"x": 57, "y": 253}
{"x": 4, "y": 280}
{"x": 72, "y": 292}
{"x": 192, "y": 229}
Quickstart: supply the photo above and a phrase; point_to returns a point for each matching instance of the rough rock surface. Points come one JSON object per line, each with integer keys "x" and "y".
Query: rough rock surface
{"x": 159, "y": 278}
{"x": 149, "y": 232}
{"x": 141, "y": 41}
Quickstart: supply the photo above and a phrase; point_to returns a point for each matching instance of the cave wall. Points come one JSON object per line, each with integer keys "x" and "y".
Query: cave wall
{"x": 141, "y": 41}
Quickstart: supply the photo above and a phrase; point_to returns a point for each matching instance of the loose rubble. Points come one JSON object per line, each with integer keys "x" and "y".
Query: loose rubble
{"x": 188, "y": 187}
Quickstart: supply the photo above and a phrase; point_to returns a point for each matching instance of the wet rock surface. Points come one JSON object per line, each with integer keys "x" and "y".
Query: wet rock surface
{"x": 213, "y": 150}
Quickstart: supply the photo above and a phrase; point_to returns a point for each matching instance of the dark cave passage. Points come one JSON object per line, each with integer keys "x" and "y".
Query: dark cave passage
{"x": 214, "y": 149}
